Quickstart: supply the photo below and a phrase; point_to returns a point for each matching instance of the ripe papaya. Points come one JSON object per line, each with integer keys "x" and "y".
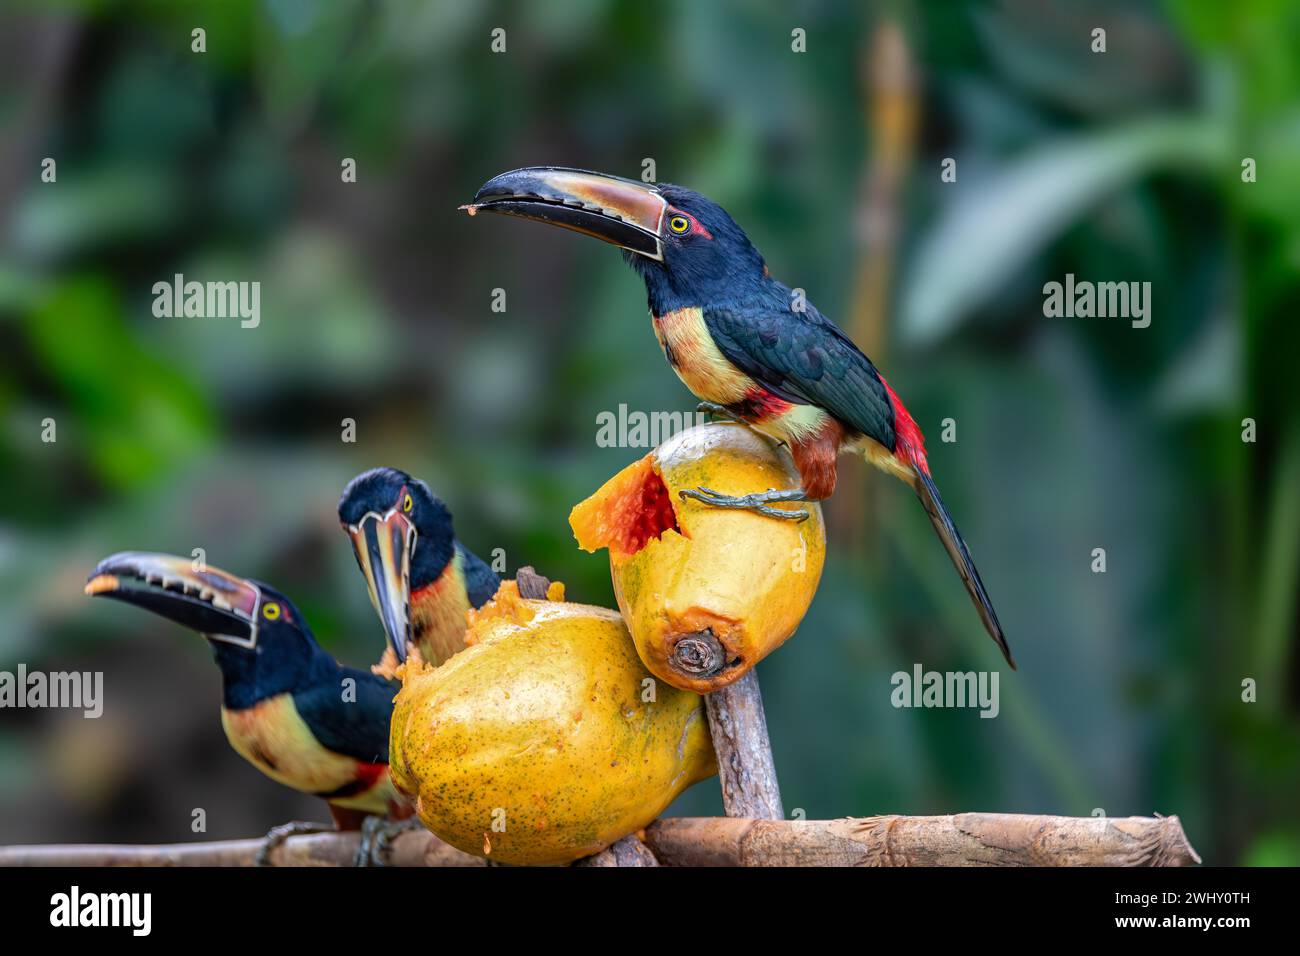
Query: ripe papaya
{"x": 707, "y": 592}
{"x": 544, "y": 740}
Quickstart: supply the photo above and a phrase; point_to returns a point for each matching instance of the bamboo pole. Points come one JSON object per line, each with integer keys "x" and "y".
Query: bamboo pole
{"x": 965, "y": 839}
{"x": 891, "y": 97}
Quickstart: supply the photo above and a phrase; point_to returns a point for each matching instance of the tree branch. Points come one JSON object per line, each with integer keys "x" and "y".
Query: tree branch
{"x": 414, "y": 848}
{"x": 966, "y": 839}
{"x": 745, "y": 766}
{"x": 629, "y": 851}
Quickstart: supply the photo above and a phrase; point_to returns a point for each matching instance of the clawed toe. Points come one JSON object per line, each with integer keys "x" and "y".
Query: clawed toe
{"x": 719, "y": 411}
{"x": 759, "y": 503}
{"x": 771, "y": 512}
{"x": 377, "y": 836}
{"x": 366, "y": 848}
{"x": 706, "y": 495}
{"x": 277, "y": 835}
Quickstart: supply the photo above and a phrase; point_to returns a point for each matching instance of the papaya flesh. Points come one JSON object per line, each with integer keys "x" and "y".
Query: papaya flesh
{"x": 707, "y": 592}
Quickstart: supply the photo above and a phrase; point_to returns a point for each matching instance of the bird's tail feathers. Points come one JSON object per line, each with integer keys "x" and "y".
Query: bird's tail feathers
{"x": 961, "y": 559}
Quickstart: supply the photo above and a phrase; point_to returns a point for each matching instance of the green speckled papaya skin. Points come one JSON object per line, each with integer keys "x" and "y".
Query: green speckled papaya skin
{"x": 546, "y": 740}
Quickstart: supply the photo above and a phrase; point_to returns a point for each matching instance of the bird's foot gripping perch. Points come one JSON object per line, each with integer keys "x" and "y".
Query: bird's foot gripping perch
{"x": 719, "y": 411}
{"x": 277, "y": 835}
{"x": 377, "y": 836}
{"x": 759, "y": 502}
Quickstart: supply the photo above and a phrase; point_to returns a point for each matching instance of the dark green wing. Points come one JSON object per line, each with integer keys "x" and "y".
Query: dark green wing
{"x": 481, "y": 582}
{"x": 354, "y": 728}
{"x": 803, "y": 357}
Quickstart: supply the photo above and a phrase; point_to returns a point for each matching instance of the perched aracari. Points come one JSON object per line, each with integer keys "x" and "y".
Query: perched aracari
{"x": 422, "y": 580}
{"x": 288, "y": 708}
{"x": 743, "y": 342}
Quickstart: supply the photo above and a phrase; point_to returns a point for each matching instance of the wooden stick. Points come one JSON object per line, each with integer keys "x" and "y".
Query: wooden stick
{"x": 739, "y": 728}
{"x": 531, "y": 584}
{"x": 629, "y": 851}
{"x": 414, "y": 848}
{"x": 966, "y": 839}
{"x": 745, "y": 766}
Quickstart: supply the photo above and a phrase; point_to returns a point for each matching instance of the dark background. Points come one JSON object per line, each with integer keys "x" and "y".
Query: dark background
{"x": 1073, "y": 434}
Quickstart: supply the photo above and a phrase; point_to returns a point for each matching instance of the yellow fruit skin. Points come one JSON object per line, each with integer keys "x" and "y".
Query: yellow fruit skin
{"x": 747, "y": 578}
{"x": 540, "y": 726}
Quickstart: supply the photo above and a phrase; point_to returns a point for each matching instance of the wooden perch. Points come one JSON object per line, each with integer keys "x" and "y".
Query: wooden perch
{"x": 965, "y": 839}
{"x": 753, "y": 833}
{"x": 745, "y": 766}
{"x": 414, "y": 848}
{"x": 531, "y": 584}
{"x": 629, "y": 851}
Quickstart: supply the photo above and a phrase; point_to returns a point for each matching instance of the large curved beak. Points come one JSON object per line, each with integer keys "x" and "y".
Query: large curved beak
{"x": 625, "y": 212}
{"x": 212, "y": 602}
{"x": 383, "y": 545}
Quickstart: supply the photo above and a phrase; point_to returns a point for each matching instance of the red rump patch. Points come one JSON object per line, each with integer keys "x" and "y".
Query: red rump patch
{"x": 909, "y": 443}
{"x": 815, "y": 458}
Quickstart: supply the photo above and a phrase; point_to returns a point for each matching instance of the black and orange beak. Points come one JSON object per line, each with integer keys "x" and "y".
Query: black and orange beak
{"x": 215, "y": 603}
{"x": 383, "y": 545}
{"x": 628, "y": 213}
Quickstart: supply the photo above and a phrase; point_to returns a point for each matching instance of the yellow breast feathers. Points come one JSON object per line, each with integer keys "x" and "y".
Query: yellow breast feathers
{"x": 438, "y": 614}
{"x": 274, "y": 738}
{"x": 695, "y": 358}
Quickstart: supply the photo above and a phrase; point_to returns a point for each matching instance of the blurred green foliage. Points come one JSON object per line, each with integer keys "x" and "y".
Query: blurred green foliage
{"x": 1072, "y": 433}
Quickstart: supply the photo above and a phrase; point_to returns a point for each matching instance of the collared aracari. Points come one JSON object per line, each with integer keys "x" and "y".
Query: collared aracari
{"x": 421, "y": 579}
{"x": 288, "y": 708}
{"x": 743, "y": 343}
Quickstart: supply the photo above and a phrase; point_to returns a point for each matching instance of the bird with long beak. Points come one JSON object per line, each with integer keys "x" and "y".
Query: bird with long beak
{"x": 287, "y": 707}
{"x": 744, "y": 343}
{"x": 422, "y": 580}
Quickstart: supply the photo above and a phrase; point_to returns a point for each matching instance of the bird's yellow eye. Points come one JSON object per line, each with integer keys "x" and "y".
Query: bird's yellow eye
{"x": 271, "y": 612}
{"x": 407, "y": 503}
{"x": 679, "y": 224}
